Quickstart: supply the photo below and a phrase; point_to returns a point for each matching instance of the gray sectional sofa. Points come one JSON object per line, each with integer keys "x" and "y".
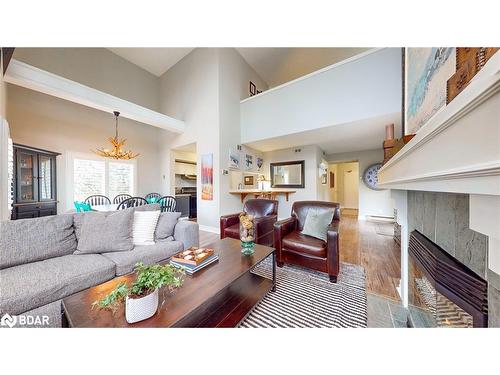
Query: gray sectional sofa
{"x": 40, "y": 264}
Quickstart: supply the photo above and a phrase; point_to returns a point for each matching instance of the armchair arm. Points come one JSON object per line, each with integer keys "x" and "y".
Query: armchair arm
{"x": 264, "y": 226}
{"x": 281, "y": 229}
{"x": 332, "y": 245}
{"x": 187, "y": 232}
{"x": 227, "y": 221}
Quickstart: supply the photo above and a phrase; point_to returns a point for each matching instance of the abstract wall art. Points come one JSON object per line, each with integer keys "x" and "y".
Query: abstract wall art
{"x": 207, "y": 177}
{"x": 427, "y": 70}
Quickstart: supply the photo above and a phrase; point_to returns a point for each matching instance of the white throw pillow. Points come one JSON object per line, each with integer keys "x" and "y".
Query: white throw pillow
{"x": 144, "y": 227}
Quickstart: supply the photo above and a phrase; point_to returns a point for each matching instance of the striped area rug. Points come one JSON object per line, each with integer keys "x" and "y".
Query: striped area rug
{"x": 307, "y": 299}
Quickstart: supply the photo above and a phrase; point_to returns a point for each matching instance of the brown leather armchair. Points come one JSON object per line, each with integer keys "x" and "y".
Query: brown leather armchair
{"x": 265, "y": 212}
{"x": 296, "y": 248}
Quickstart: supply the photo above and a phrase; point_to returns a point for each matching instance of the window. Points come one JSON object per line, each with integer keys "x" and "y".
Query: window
{"x": 89, "y": 178}
{"x": 121, "y": 179}
{"x": 110, "y": 178}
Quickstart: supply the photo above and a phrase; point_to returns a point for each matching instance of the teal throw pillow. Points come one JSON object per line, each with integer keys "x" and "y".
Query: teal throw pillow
{"x": 82, "y": 207}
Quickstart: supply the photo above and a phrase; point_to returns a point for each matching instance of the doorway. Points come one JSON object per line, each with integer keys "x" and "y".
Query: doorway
{"x": 185, "y": 177}
{"x": 344, "y": 186}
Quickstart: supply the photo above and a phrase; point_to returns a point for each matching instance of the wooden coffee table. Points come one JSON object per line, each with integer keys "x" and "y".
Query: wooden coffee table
{"x": 220, "y": 295}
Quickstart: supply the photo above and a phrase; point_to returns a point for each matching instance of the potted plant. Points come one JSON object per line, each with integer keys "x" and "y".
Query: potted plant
{"x": 141, "y": 298}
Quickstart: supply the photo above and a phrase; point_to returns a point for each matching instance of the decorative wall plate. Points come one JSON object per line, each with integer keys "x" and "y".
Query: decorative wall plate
{"x": 370, "y": 176}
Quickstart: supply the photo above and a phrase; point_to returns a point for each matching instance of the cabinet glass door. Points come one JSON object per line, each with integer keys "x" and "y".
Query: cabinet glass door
{"x": 45, "y": 177}
{"x": 26, "y": 178}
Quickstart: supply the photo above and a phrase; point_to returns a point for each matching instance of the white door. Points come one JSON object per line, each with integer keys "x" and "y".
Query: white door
{"x": 351, "y": 180}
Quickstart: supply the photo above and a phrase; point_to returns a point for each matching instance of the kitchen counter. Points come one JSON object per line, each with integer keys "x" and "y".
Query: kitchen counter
{"x": 269, "y": 193}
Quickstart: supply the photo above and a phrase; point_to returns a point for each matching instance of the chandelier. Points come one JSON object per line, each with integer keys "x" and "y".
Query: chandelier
{"x": 116, "y": 152}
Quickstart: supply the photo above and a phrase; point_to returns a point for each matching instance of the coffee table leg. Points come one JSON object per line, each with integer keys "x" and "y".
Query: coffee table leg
{"x": 274, "y": 271}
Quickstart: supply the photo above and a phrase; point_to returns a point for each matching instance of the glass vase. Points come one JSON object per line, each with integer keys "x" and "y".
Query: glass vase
{"x": 247, "y": 234}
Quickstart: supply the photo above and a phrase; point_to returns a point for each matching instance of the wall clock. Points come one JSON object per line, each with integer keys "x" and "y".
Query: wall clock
{"x": 370, "y": 176}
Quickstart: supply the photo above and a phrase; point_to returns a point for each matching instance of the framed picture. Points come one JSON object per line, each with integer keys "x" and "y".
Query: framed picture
{"x": 323, "y": 179}
{"x": 207, "y": 177}
{"x": 252, "y": 88}
{"x": 248, "y": 180}
{"x": 426, "y": 73}
{"x": 259, "y": 162}
{"x": 332, "y": 180}
{"x": 234, "y": 159}
{"x": 248, "y": 162}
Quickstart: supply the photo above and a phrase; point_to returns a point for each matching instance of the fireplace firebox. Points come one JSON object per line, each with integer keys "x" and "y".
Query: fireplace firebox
{"x": 443, "y": 292}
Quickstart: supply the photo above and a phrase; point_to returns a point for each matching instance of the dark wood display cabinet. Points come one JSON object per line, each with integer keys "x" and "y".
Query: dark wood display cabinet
{"x": 34, "y": 183}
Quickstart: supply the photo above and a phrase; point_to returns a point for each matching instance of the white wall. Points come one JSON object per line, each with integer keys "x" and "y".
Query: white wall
{"x": 363, "y": 88}
{"x": 371, "y": 202}
{"x": 98, "y": 68}
{"x": 310, "y": 154}
{"x": 189, "y": 91}
{"x": 46, "y": 122}
{"x": 205, "y": 89}
{"x": 234, "y": 77}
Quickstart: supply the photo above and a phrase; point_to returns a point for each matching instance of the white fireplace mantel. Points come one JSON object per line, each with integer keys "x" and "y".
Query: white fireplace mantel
{"x": 456, "y": 151}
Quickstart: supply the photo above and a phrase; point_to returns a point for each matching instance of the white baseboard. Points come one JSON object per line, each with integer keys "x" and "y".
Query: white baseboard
{"x": 208, "y": 228}
{"x": 385, "y": 219}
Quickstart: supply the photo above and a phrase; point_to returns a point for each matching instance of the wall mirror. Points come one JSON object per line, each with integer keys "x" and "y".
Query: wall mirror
{"x": 287, "y": 174}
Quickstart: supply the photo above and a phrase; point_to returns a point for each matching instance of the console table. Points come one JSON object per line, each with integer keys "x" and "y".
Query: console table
{"x": 270, "y": 193}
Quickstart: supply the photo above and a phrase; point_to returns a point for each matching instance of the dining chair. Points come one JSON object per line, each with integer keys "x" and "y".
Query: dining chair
{"x": 120, "y": 198}
{"x": 167, "y": 203}
{"x": 97, "y": 200}
{"x": 132, "y": 202}
{"x": 153, "y": 197}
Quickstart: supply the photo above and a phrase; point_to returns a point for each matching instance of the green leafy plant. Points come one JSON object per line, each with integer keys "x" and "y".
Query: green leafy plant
{"x": 149, "y": 278}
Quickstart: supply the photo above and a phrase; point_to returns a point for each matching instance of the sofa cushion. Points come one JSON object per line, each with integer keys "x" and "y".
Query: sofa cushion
{"x": 166, "y": 224}
{"x": 300, "y": 243}
{"x": 28, "y": 286}
{"x": 30, "y": 240}
{"x": 102, "y": 233}
{"x": 147, "y": 207}
{"x": 144, "y": 227}
{"x": 79, "y": 216}
{"x": 126, "y": 260}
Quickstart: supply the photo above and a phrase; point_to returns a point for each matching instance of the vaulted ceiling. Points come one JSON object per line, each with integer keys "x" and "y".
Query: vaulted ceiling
{"x": 274, "y": 65}
{"x": 279, "y": 65}
{"x": 155, "y": 60}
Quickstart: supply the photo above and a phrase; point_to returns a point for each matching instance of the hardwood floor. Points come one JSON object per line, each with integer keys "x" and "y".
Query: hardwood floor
{"x": 367, "y": 244}
{"x": 207, "y": 237}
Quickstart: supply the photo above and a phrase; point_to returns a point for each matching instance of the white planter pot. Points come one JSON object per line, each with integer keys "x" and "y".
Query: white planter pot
{"x": 137, "y": 309}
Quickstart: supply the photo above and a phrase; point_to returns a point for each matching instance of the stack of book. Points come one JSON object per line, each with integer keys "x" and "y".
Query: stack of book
{"x": 194, "y": 259}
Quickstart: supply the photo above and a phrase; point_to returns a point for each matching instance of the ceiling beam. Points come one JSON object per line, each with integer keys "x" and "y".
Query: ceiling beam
{"x": 36, "y": 79}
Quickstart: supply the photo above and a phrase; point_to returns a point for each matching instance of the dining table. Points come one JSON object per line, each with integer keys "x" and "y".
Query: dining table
{"x": 105, "y": 207}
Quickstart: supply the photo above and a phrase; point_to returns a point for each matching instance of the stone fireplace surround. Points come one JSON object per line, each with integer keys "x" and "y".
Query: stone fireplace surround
{"x": 446, "y": 183}
{"x": 443, "y": 218}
